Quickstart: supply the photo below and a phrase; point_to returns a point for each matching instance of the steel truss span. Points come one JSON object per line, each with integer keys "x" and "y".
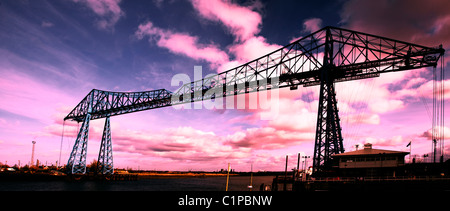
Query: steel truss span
{"x": 322, "y": 58}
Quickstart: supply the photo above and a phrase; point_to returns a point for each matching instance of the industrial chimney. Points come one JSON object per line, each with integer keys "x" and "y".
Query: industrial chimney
{"x": 32, "y": 154}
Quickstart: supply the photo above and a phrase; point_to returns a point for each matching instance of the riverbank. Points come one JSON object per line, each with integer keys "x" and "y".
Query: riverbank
{"x": 180, "y": 174}
{"x": 118, "y": 175}
{"x": 131, "y": 176}
{"x": 168, "y": 183}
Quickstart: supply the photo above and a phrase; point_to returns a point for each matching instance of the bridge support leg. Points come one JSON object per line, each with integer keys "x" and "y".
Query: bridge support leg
{"x": 105, "y": 156}
{"x": 77, "y": 159}
{"x": 329, "y": 139}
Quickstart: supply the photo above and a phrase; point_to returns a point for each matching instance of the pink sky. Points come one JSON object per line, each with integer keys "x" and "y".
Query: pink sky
{"x": 388, "y": 111}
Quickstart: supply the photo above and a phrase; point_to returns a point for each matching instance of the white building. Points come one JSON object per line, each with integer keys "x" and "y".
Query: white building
{"x": 369, "y": 162}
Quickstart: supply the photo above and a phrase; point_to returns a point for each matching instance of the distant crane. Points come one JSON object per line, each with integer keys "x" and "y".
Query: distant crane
{"x": 322, "y": 58}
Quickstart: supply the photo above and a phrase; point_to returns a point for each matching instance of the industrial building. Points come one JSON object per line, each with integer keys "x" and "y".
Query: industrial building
{"x": 369, "y": 162}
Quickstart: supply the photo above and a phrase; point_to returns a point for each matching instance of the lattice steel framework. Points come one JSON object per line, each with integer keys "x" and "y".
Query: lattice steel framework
{"x": 322, "y": 58}
{"x": 77, "y": 159}
{"x": 105, "y": 156}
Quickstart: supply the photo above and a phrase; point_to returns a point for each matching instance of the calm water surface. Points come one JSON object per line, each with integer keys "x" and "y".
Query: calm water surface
{"x": 236, "y": 183}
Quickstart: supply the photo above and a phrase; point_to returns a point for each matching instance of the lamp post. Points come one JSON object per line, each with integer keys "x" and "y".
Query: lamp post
{"x": 304, "y": 169}
{"x": 305, "y": 157}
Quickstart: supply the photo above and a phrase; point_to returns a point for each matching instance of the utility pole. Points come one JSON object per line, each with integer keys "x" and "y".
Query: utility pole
{"x": 298, "y": 165}
{"x": 434, "y": 150}
{"x": 228, "y": 176}
{"x": 285, "y": 174}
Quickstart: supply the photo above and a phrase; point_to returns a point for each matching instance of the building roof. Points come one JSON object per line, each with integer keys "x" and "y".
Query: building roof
{"x": 369, "y": 151}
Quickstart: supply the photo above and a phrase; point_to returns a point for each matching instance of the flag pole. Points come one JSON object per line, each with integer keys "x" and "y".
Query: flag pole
{"x": 409, "y": 145}
{"x": 410, "y": 151}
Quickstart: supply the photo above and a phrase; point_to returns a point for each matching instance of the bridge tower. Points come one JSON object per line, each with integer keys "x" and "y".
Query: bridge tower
{"x": 328, "y": 140}
{"x": 77, "y": 159}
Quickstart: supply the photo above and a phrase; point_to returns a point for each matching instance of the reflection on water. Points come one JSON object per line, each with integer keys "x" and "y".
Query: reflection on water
{"x": 236, "y": 183}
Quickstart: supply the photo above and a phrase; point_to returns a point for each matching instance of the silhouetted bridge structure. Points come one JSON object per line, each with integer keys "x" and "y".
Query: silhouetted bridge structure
{"x": 323, "y": 58}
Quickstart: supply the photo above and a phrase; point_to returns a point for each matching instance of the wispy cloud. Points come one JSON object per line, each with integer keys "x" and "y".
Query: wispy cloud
{"x": 108, "y": 11}
{"x": 252, "y": 48}
{"x": 311, "y": 25}
{"x": 247, "y": 45}
{"x": 242, "y": 21}
{"x": 429, "y": 133}
{"x": 182, "y": 44}
{"x": 47, "y": 24}
{"x": 26, "y": 96}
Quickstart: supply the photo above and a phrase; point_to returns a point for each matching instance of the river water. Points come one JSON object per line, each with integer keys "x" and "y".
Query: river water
{"x": 236, "y": 183}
